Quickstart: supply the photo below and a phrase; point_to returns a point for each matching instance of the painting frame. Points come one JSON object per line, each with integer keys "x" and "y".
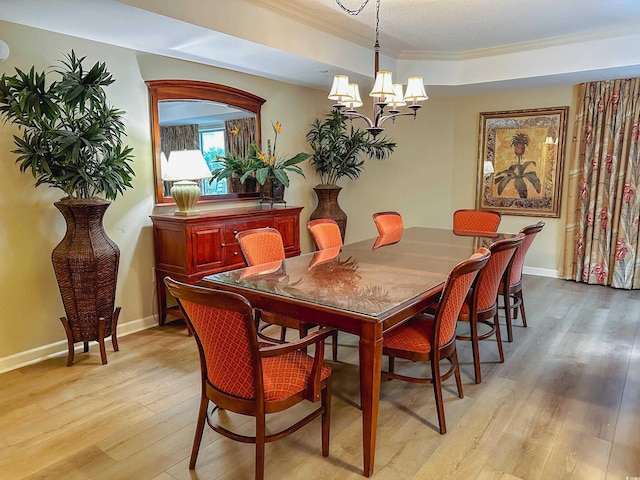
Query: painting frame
{"x": 521, "y": 160}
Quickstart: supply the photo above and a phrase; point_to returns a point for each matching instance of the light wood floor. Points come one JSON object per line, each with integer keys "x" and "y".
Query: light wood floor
{"x": 565, "y": 404}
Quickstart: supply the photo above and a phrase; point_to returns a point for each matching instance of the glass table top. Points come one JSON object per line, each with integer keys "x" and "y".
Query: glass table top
{"x": 368, "y": 278}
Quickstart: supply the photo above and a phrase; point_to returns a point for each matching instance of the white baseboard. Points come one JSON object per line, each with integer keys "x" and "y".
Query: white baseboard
{"x": 540, "y": 272}
{"x": 58, "y": 349}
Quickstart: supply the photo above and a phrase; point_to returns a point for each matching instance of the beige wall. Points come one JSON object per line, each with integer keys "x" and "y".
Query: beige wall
{"x": 431, "y": 174}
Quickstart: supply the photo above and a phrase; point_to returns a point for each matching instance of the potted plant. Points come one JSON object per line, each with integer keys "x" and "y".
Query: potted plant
{"x": 234, "y": 167}
{"x": 71, "y": 140}
{"x": 340, "y": 151}
{"x": 272, "y": 171}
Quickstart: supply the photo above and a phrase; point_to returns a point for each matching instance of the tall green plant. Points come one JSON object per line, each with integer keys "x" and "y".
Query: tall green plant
{"x": 340, "y": 151}
{"x": 71, "y": 136}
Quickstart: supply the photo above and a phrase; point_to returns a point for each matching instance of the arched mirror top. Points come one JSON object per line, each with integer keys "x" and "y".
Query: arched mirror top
{"x": 206, "y": 108}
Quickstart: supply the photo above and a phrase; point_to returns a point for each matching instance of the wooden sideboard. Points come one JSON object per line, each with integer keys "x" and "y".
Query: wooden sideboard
{"x": 188, "y": 248}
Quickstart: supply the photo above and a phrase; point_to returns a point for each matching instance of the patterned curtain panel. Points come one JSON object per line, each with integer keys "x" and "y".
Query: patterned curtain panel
{"x": 238, "y": 135}
{"x": 180, "y": 137}
{"x": 601, "y": 244}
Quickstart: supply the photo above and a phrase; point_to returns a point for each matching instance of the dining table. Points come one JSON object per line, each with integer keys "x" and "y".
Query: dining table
{"x": 364, "y": 288}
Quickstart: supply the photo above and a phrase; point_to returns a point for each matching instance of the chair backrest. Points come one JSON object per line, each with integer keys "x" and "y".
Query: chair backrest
{"x": 223, "y": 326}
{"x": 472, "y": 220}
{"x": 387, "y": 222}
{"x": 325, "y": 233}
{"x": 454, "y": 293}
{"x": 485, "y": 291}
{"x": 261, "y": 245}
{"x": 515, "y": 269}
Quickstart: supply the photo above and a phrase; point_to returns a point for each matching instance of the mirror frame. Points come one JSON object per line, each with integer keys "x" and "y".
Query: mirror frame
{"x": 197, "y": 90}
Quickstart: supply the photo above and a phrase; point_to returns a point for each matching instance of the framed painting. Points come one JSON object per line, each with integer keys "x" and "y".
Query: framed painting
{"x": 520, "y": 160}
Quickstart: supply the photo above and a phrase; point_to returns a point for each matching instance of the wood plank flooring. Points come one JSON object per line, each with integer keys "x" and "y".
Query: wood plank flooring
{"x": 564, "y": 405}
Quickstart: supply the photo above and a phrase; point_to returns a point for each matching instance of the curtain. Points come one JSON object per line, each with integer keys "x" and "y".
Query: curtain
{"x": 601, "y": 244}
{"x": 238, "y": 135}
{"x": 179, "y": 137}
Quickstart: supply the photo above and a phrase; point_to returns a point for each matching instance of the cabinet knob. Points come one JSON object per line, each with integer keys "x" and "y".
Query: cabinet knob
{"x": 235, "y": 254}
{"x": 235, "y": 232}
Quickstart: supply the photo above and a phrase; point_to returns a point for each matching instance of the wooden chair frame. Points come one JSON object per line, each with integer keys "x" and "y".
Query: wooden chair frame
{"x": 437, "y": 353}
{"x": 257, "y": 407}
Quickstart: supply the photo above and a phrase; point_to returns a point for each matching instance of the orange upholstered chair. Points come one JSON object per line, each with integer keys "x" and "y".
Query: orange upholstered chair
{"x": 264, "y": 245}
{"x": 325, "y": 233}
{"x": 432, "y": 337}
{"x": 243, "y": 376}
{"x": 387, "y": 222}
{"x": 512, "y": 290}
{"x": 481, "y": 305}
{"x": 471, "y": 220}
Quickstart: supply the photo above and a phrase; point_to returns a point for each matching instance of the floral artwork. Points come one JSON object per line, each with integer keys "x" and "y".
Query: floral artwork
{"x": 525, "y": 149}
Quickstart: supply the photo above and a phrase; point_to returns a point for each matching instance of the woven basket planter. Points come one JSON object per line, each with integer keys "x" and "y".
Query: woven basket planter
{"x": 328, "y": 206}
{"x": 86, "y": 267}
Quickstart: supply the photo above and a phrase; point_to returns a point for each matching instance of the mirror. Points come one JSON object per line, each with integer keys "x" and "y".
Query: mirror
{"x": 186, "y": 115}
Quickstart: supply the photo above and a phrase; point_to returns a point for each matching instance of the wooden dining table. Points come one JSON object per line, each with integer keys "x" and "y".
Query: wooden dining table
{"x": 364, "y": 288}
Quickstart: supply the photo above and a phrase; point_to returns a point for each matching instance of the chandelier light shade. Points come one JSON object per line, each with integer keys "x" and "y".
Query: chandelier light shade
{"x": 183, "y": 168}
{"x": 384, "y": 91}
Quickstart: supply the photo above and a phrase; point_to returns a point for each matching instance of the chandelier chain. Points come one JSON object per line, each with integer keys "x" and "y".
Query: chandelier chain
{"x": 358, "y": 10}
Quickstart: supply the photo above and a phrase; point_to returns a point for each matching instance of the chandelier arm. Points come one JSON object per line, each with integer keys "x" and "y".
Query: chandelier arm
{"x": 352, "y": 12}
{"x": 353, "y": 114}
{"x": 394, "y": 115}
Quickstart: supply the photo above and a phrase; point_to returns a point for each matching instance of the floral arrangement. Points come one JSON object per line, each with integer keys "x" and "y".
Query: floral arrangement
{"x": 269, "y": 164}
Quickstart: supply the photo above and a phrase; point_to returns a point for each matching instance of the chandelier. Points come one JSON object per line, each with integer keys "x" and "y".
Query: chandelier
{"x": 385, "y": 92}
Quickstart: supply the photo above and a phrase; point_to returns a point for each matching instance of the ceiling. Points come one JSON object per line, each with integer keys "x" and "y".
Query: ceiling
{"x": 458, "y": 46}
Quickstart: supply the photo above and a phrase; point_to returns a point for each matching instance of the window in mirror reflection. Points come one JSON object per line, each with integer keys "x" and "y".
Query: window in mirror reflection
{"x": 217, "y": 130}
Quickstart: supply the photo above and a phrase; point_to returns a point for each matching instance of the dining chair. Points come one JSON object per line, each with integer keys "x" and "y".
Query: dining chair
{"x": 325, "y": 233}
{"x": 432, "y": 337}
{"x": 387, "y": 222}
{"x": 240, "y": 375}
{"x": 511, "y": 290}
{"x": 265, "y": 245}
{"x": 473, "y": 220}
{"x": 481, "y": 305}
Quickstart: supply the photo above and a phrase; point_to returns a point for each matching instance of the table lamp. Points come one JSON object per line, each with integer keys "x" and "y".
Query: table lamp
{"x": 183, "y": 168}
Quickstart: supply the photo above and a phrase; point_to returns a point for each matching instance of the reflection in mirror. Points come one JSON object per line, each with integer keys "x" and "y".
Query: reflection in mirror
{"x": 219, "y": 121}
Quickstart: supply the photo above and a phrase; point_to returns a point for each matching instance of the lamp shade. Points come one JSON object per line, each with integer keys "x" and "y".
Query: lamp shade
{"x": 340, "y": 88}
{"x": 397, "y": 100}
{"x": 383, "y": 85}
{"x": 185, "y": 165}
{"x": 415, "y": 90}
{"x": 354, "y": 93}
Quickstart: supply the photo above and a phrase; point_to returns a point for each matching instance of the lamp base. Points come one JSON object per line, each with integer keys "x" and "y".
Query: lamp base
{"x": 186, "y": 194}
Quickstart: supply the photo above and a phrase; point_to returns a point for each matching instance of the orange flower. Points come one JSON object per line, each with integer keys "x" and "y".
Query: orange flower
{"x": 235, "y": 129}
{"x": 277, "y": 127}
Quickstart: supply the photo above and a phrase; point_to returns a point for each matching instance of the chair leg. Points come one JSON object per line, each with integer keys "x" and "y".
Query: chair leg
{"x": 499, "y": 338}
{"x": 473, "y": 325}
{"x": 103, "y": 350}
{"x": 507, "y": 315}
{"x": 334, "y": 346}
{"x": 114, "y": 329}
{"x": 202, "y": 416}
{"x": 437, "y": 392}
{"x": 260, "y": 442}
{"x": 283, "y": 333}
{"x": 524, "y": 316}
{"x": 392, "y": 363}
{"x": 456, "y": 373}
{"x": 326, "y": 417}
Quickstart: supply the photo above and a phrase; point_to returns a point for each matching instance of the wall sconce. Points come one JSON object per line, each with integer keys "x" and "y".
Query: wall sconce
{"x": 183, "y": 168}
{"x": 488, "y": 168}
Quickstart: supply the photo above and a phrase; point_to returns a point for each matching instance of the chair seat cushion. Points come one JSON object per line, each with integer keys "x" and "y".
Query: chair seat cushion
{"x": 286, "y": 375}
{"x": 414, "y": 336}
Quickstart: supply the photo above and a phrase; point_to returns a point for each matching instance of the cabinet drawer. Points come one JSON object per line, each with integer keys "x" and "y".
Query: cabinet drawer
{"x": 232, "y": 228}
{"x": 233, "y": 256}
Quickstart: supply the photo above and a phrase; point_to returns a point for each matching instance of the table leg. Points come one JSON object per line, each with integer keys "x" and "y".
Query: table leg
{"x": 370, "y": 367}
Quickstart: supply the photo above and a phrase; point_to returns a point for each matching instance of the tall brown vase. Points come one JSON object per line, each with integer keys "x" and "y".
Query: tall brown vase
{"x": 86, "y": 267}
{"x": 328, "y": 206}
